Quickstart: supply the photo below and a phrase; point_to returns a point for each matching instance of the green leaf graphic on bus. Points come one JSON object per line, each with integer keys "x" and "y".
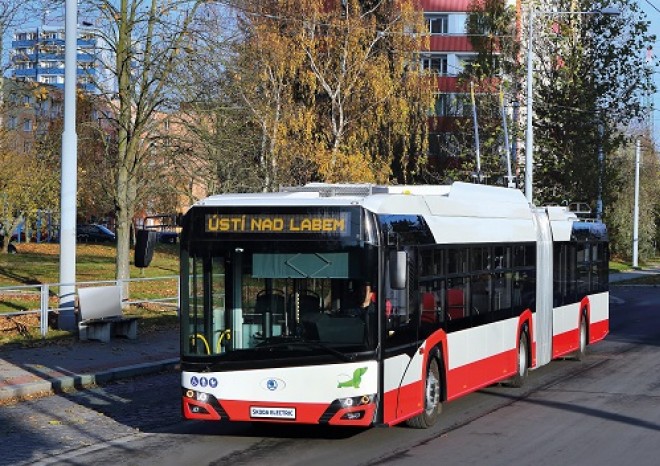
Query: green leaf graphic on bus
{"x": 355, "y": 381}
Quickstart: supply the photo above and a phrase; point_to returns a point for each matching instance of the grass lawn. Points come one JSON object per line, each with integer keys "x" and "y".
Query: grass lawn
{"x": 619, "y": 266}
{"x": 36, "y": 264}
{"x": 40, "y": 263}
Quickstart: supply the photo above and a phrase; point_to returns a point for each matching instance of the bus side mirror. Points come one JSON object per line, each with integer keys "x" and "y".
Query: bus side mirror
{"x": 398, "y": 270}
{"x": 145, "y": 243}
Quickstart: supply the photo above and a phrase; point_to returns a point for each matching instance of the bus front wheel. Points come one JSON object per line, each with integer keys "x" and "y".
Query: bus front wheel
{"x": 432, "y": 399}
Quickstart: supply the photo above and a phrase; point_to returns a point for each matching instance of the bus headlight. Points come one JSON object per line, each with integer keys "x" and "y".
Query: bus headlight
{"x": 356, "y": 401}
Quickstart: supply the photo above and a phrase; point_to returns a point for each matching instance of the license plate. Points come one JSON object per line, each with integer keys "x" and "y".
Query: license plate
{"x": 264, "y": 412}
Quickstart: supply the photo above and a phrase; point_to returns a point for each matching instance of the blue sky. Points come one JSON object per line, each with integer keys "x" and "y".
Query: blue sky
{"x": 652, "y": 10}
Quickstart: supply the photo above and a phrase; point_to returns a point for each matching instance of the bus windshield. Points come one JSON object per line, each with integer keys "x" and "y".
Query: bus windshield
{"x": 245, "y": 300}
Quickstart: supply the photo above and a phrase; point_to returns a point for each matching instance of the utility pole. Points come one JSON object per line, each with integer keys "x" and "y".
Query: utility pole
{"x": 601, "y": 167}
{"x": 635, "y": 263}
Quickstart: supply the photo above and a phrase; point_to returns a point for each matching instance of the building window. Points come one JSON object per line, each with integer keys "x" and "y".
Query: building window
{"x": 27, "y": 125}
{"x": 465, "y": 62}
{"x": 441, "y": 107}
{"x": 436, "y": 64}
{"x": 438, "y": 24}
{"x": 452, "y": 105}
{"x": 51, "y": 64}
{"x": 11, "y": 122}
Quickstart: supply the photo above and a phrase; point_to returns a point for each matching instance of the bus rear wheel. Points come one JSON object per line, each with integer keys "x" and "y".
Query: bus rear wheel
{"x": 432, "y": 399}
{"x": 518, "y": 380}
{"x": 582, "y": 344}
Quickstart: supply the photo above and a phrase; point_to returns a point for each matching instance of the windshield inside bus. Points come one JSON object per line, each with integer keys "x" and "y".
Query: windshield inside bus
{"x": 244, "y": 300}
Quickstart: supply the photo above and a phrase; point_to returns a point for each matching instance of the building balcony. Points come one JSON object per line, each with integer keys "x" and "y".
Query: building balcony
{"x": 51, "y": 41}
{"x": 446, "y": 6}
{"x": 23, "y": 43}
{"x": 450, "y": 43}
{"x": 451, "y": 83}
{"x": 23, "y": 57}
{"x": 447, "y": 83}
{"x": 51, "y": 71}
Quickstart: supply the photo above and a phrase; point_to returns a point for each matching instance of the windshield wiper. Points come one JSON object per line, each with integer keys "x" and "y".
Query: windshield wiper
{"x": 277, "y": 342}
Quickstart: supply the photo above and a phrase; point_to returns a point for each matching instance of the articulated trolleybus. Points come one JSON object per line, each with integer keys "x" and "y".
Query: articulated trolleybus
{"x": 363, "y": 305}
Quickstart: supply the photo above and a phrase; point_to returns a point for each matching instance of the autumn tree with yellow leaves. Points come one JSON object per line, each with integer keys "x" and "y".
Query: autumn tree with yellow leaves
{"x": 26, "y": 179}
{"x": 335, "y": 89}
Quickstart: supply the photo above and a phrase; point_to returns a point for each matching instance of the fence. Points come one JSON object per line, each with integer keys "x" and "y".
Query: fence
{"x": 22, "y": 296}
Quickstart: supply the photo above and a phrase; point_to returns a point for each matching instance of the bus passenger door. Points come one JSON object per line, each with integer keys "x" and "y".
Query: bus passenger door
{"x": 402, "y": 359}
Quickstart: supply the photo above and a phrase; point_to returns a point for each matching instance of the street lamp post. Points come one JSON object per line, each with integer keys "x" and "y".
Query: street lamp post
{"x": 529, "y": 133}
{"x": 635, "y": 262}
{"x": 66, "y": 318}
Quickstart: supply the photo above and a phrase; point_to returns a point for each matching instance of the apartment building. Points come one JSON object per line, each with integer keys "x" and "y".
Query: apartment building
{"x": 27, "y": 112}
{"x": 450, "y": 52}
{"x": 37, "y": 55}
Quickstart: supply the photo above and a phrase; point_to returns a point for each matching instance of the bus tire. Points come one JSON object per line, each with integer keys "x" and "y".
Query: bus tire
{"x": 432, "y": 399}
{"x": 583, "y": 339}
{"x": 522, "y": 366}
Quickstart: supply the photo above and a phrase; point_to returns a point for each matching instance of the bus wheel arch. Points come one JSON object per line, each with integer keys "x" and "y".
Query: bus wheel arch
{"x": 522, "y": 358}
{"x": 434, "y": 390}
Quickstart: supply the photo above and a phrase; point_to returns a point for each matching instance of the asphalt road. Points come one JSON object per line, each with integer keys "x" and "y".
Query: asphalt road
{"x": 604, "y": 410}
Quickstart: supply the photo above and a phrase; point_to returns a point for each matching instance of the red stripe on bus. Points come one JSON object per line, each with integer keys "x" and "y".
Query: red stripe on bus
{"x": 598, "y": 330}
{"x": 565, "y": 343}
{"x": 479, "y": 374}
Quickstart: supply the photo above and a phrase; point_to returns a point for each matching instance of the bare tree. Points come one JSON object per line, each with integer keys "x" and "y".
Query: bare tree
{"x": 143, "y": 42}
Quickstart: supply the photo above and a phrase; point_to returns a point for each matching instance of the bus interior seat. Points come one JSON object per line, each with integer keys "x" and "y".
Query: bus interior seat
{"x": 272, "y": 302}
{"x": 428, "y": 308}
{"x": 309, "y": 311}
{"x": 455, "y": 303}
{"x": 309, "y": 304}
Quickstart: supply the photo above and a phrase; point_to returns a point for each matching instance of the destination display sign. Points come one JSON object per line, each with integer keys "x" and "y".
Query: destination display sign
{"x": 324, "y": 223}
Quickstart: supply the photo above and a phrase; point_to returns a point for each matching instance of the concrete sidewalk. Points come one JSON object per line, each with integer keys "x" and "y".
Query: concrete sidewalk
{"x": 54, "y": 367}
{"x": 57, "y": 366}
{"x": 631, "y": 274}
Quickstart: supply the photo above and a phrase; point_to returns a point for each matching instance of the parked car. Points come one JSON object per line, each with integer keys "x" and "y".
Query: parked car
{"x": 94, "y": 233}
{"x": 170, "y": 237}
{"x": 165, "y": 225}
